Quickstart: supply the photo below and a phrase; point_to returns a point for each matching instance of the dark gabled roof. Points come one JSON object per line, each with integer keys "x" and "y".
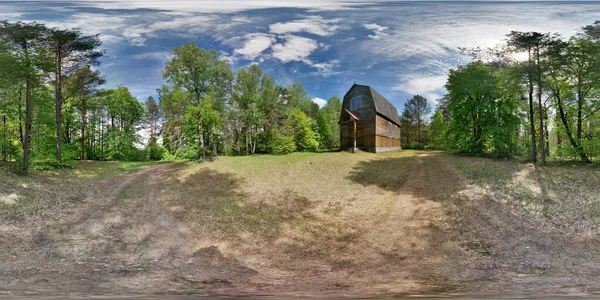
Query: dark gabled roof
{"x": 383, "y": 106}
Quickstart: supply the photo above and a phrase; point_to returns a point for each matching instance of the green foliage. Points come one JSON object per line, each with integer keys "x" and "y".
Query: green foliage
{"x": 300, "y": 125}
{"x": 415, "y": 110}
{"x": 327, "y": 124}
{"x": 283, "y": 144}
{"x": 189, "y": 152}
{"x": 155, "y": 152}
{"x": 415, "y": 146}
{"x": 438, "y": 129}
{"x": 482, "y": 105}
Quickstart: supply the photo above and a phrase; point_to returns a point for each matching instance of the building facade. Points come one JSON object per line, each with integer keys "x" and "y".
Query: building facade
{"x": 368, "y": 121}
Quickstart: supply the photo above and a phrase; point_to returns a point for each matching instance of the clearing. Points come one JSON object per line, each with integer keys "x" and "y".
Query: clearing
{"x": 304, "y": 224}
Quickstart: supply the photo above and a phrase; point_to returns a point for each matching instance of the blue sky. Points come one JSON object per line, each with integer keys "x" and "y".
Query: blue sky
{"x": 400, "y": 48}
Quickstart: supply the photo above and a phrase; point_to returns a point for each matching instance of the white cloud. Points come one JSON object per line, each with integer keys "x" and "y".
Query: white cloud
{"x": 377, "y": 29}
{"x": 158, "y": 55}
{"x": 221, "y": 6}
{"x": 255, "y": 44}
{"x": 319, "y": 101}
{"x": 428, "y": 86}
{"x": 295, "y": 48}
{"x": 325, "y": 69}
{"x": 313, "y": 24}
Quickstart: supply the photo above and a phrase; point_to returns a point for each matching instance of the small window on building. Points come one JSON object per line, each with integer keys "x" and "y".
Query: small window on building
{"x": 356, "y": 103}
{"x": 389, "y": 129}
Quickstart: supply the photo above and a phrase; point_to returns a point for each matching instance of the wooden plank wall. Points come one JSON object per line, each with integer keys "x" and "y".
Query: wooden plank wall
{"x": 382, "y": 128}
{"x": 387, "y": 142}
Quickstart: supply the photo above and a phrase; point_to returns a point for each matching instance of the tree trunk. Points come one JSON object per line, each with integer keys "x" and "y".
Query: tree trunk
{"x": 531, "y": 115}
{"x": 214, "y": 149}
{"x": 21, "y": 139}
{"x": 547, "y": 140}
{"x": 579, "y": 112}
{"x": 574, "y": 142}
{"x": 201, "y": 137}
{"x": 541, "y": 108}
{"x": 254, "y": 141}
{"x": 83, "y": 121}
{"x": 4, "y": 134}
{"x": 27, "y": 122}
{"x": 59, "y": 104}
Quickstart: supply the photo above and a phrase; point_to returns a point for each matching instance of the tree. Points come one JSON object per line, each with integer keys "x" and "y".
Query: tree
{"x": 173, "y": 103}
{"x": 415, "y": 109}
{"x": 71, "y": 51}
{"x": 304, "y": 136}
{"x": 327, "y": 121}
{"x": 198, "y": 72}
{"x": 85, "y": 82}
{"x": 153, "y": 113}
{"x": 25, "y": 36}
{"x": 573, "y": 76}
{"x": 591, "y": 32}
{"x": 271, "y": 109}
{"x": 247, "y": 97}
{"x": 482, "y": 104}
{"x": 438, "y": 130}
{"x": 534, "y": 43}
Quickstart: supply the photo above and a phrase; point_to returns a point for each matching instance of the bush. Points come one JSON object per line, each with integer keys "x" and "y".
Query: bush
{"x": 51, "y": 164}
{"x": 300, "y": 124}
{"x": 187, "y": 152}
{"x": 415, "y": 145}
{"x": 155, "y": 152}
{"x": 283, "y": 144}
{"x": 135, "y": 154}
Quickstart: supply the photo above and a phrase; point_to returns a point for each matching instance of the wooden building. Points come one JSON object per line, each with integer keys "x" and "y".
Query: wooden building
{"x": 368, "y": 121}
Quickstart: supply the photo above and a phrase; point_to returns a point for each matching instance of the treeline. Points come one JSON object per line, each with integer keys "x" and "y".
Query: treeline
{"x": 53, "y": 109}
{"x": 544, "y": 106}
{"x": 207, "y": 108}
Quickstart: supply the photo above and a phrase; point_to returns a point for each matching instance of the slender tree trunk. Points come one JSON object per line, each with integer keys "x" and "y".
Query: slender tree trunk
{"x": 573, "y": 141}
{"x": 247, "y": 150}
{"x": 4, "y": 134}
{"x": 531, "y": 114}
{"x": 214, "y": 148}
{"x": 540, "y": 107}
{"x": 83, "y": 112}
{"x": 201, "y": 137}
{"x": 547, "y": 140}
{"x": 28, "y": 108}
{"x": 59, "y": 104}
{"x": 579, "y": 112}
{"x": 254, "y": 141}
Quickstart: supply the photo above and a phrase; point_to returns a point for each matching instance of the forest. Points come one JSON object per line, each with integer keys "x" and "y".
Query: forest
{"x": 536, "y": 96}
{"x": 55, "y": 110}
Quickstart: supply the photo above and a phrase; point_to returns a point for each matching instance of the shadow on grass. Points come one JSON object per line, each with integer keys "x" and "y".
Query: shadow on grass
{"x": 423, "y": 175}
{"x": 214, "y": 200}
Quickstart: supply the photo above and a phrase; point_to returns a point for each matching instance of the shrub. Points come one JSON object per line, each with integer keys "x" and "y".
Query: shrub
{"x": 300, "y": 124}
{"x": 283, "y": 144}
{"x": 187, "y": 152}
{"x": 155, "y": 152}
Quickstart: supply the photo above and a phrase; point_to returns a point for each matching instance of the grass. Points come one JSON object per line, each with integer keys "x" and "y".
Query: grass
{"x": 564, "y": 194}
{"x": 44, "y": 194}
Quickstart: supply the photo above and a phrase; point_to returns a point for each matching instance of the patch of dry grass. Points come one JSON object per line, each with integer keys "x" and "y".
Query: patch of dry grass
{"x": 44, "y": 195}
{"x": 567, "y": 196}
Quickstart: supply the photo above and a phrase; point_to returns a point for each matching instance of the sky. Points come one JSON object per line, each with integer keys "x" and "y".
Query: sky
{"x": 400, "y": 48}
